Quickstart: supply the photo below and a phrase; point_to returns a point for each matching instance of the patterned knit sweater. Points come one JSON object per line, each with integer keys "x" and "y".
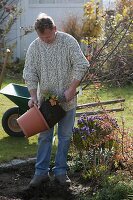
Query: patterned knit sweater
{"x": 53, "y": 67}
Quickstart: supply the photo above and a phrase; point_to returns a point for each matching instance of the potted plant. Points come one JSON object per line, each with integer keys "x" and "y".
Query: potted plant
{"x": 36, "y": 119}
{"x": 51, "y": 109}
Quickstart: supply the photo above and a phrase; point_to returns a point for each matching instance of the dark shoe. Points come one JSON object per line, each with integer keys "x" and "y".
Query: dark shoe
{"x": 63, "y": 179}
{"x": 38, "y": 180}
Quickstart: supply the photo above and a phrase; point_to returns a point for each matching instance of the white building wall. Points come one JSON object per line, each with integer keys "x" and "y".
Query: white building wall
{"x": 58, "y": 11}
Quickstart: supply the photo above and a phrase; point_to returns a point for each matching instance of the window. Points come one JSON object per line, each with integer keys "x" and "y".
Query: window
{"x": 69, "y": 1}
{"x": 46, "y": 1}
{"x": 41, "y": 1}
{"x": 56, "y": 1}
{"x": 33, "y": 1}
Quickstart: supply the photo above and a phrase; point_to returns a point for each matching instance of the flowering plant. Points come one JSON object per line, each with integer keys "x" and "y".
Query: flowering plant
{"x": 92, "y": 131}
{"x": 51, "y": 98}
{"x": 51, "y": 109}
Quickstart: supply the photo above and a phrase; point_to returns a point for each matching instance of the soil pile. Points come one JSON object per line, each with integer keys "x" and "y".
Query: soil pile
{"x": 14, "y": 182}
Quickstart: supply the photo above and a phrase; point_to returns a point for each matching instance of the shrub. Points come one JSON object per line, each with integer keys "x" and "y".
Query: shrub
{"x": 73, "y": 27}
{"x": 114, "y": 188}
{"x": 93, "y": 131}
{"x": 16, "y": 67}
{"x": 95, "y": 140}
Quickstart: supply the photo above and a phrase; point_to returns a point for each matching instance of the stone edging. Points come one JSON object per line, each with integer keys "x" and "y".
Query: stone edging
{"x": 16, "y": 163}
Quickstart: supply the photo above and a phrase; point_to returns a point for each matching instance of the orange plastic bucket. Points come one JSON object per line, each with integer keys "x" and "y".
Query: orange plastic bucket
{"x": 32, "y": 122}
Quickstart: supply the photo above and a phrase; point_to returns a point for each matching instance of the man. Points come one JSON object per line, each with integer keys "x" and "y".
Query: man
{"x": 54, "y": 63}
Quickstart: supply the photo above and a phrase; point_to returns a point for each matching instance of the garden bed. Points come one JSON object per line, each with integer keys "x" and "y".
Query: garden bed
{"x": 13, "y": 184}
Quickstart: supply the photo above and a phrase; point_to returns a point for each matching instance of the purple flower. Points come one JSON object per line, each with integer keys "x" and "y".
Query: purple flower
{"x": 80, "y": 121}
{"x": 83, "y": 137}
{"x": 83, "y": 128}
{"x": 93, "y": 130}
{"x": 75, "y": 130}
{"x": 95, "y": 126}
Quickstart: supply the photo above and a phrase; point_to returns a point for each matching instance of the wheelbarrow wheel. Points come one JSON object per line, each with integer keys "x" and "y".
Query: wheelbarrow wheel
{"x": 10, "y": 124}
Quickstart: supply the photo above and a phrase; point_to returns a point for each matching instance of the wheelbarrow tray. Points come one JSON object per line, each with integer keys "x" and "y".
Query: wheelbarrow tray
{"x": 17, "y": 94}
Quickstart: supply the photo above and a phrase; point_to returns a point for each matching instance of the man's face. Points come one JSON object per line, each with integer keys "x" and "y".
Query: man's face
{"x": 48, "y": 36}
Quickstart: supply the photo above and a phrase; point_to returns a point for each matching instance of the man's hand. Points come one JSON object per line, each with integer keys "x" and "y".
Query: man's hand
{"x": 32, "y": 101}
{"x": 70, "y": 93}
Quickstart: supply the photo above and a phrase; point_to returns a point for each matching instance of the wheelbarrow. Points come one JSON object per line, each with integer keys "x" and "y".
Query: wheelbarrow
{"x": 20, "y": 96}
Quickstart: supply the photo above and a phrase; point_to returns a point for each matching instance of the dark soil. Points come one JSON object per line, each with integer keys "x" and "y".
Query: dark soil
{"x": 14, "y": 182}
{"x": 52, "y": 114}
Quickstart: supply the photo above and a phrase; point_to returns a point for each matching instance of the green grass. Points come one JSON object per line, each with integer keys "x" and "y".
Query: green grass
{"x": 11, "y": 147}
{"x": 106, "y": 93}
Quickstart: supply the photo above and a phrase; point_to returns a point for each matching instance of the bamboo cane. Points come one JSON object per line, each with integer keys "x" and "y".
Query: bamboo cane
{"x": 4, "y": 66}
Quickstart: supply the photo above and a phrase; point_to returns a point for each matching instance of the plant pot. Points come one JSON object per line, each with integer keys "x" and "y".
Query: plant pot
{"x": 52, "y": 114}
{"x": 32, "y": 122}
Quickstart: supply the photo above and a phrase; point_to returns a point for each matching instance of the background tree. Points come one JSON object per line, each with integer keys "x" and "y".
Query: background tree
{"x": 88, "y": 29}
{"x": 9, "y": 13}
{"x": 8, "y": 16}
{"x": 118, "y": 68}
{"x": 92, "y": 22}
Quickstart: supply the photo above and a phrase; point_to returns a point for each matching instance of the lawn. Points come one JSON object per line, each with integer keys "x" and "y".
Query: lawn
{"x": 110, "y": 93}
{"x": 11, "y": 147}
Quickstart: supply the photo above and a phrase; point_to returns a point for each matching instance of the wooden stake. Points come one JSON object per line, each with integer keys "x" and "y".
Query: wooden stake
{"x": 4, "y": 66}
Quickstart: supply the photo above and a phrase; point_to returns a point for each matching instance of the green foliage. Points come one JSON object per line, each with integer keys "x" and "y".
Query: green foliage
{"x": 15, "y": 67}
{"x": 89, "y": 29}
{"x": 114, "y": 188}
{"x": 77, "y": 165}
{"x": 92, "y": 22}
{"x": 94, "y": 173}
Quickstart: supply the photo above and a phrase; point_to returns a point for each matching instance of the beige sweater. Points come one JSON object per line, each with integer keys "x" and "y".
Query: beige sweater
{"x": 53, "y": 67}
